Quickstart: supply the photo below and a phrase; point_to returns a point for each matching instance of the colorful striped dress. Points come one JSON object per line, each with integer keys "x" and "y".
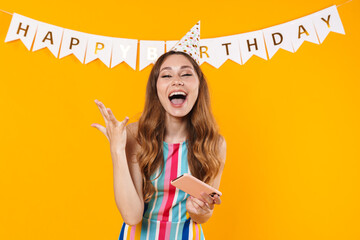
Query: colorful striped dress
{"x": 165, "y": 216}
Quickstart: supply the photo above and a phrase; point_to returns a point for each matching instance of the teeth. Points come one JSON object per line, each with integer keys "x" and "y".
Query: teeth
{"x": 177, "y": 93}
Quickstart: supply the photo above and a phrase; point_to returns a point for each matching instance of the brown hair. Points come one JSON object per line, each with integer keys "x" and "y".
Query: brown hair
{"x": 203, "y": 134}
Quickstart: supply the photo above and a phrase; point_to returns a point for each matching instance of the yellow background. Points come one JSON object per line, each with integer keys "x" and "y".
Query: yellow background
{"x": 291, "y": 122}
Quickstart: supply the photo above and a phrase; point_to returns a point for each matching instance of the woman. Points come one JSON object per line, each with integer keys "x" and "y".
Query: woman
{"x": 175, "y": 134}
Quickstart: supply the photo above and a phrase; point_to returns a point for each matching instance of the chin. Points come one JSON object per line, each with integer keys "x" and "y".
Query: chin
{"x": 178, "y": 114}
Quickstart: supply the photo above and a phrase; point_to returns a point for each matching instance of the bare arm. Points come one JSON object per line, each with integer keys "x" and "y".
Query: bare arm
{"x": 128, "y": 181}
{"x": 127, "y": 175}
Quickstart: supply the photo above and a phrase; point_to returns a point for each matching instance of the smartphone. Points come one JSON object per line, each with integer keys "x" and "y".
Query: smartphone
{"x": 194, "y": 186}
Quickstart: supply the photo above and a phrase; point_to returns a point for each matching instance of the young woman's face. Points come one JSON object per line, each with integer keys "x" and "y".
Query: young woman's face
{"x": 177, "y": 75}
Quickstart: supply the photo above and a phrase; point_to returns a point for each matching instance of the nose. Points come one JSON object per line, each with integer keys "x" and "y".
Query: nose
{"x": 177, "y": 82}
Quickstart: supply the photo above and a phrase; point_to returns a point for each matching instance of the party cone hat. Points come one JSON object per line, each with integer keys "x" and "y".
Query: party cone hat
{"x": 190, "y": 43}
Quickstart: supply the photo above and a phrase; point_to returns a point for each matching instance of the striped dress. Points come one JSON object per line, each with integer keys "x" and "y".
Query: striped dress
{"x": 165, "y": 216}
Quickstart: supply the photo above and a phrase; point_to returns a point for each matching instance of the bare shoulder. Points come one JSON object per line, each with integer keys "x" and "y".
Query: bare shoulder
{"x": 132, "y": 128}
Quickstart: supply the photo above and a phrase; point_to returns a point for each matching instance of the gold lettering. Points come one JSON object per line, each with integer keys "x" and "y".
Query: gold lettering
{"x": 46, "y": 37}
{"x": 252, "y": 44}
{"x": 97, "y": 47}
{"x": 327, "y": 21}
{"x": 226, "y": 46}
{"x": 303, "y": 31}
{"x": 281, "y": 38}
{"x": 24, "y": 29}
{"x": 201, "y": 51}
{"x": 72, "y": 42}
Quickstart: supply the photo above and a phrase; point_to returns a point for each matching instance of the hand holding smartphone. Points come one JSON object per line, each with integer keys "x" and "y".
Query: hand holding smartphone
{"x": 194, "y": 186}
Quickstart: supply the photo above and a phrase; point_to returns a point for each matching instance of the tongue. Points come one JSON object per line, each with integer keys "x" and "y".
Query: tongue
{"x": 177, "y": 101}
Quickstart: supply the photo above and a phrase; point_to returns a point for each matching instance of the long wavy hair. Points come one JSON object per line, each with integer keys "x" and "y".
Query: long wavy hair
{"x": 203, "y": 136}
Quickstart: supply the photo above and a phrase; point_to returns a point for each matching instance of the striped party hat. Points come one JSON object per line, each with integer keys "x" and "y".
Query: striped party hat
{"x": 190, "y": 43}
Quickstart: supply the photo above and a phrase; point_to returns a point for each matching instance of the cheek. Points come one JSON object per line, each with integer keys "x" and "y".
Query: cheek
{"x": 158, "y": 88}
{"x": 196, "y": 91}
{"x": 161, "y": 91}
{"x": 196, "y": 95}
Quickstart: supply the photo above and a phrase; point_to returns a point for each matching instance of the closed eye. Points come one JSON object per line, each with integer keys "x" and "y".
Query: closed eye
{"x": 167, "y": 76}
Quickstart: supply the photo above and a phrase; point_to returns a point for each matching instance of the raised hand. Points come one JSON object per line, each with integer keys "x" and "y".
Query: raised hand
{"x": 114, "y": 131}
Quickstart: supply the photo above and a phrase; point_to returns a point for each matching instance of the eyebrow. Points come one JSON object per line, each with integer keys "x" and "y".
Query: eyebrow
{"x": 182, "y": 67}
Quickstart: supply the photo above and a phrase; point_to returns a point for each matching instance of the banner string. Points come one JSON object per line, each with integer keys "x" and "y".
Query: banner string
{"x": 6, "y": 12}
{"x": 343, "y": 3}
{"x": 336, "y": 6}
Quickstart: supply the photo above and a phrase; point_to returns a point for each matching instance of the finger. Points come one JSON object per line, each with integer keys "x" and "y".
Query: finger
{"x": 209, "y": 203}
{"x": 125, "y": 121}
{"x": 206, "y": 206}
{"x": 111, "y": 115}
{"x": 207, "y": 198}
{"x": 103, "y": 108}
{"x": 200, "y": 203}
{"x": 113, "y": 118}
{"x": 103, "y": 111}
{"x": 195, "y": 205}
{"x": 217, "y": 199}
{"x": 101, "y": 129}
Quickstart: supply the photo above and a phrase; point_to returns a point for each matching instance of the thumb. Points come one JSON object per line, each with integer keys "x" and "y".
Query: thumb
{"x": 100, "y": 128}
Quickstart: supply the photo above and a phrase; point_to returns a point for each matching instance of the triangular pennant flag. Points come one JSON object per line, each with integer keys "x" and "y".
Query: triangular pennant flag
{"x": 327, "y": 20}
{"x": 22, "y": 28}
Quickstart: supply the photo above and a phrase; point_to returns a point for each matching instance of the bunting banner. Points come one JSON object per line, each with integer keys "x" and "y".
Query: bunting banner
{"x": 239, "y": 48}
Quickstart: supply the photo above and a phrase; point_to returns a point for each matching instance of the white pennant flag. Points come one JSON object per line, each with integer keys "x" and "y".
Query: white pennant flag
{"x": 49, "y": 36}
{"x": 302, "y": 29}
{"x": 170, "y": 44}
{"x": 216, "y": 51}
{"x": 22, "y": 28}
{"x": 251, "y": 43}
{"x": 74, "y": 42}
{"x": 150, "y": 51}
{"x": 327, "y": 20}
{"x": 124, "y": 50}
{"x": 277, "y": 37}
{"x": 99, "y": 47}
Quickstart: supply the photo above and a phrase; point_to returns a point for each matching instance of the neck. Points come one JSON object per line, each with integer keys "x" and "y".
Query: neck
{"x": 176, "y": 129}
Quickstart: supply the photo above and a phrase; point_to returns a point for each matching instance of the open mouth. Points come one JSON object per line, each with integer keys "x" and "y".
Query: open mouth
{"x": 177, "y": 98}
